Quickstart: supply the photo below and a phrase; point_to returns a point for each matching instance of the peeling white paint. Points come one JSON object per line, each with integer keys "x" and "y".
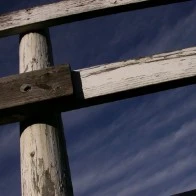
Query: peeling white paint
{"x": 42, "y": 158}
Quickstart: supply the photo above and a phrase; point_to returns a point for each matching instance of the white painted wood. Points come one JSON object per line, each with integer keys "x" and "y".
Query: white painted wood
{"x": 43, "y": 169}
{"x": 128, "y": 75}
{"x": 111, "y": 82}
{"x": 66, "y": 11}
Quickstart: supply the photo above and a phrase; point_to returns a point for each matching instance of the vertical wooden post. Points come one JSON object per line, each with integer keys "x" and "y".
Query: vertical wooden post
{"x": 44, "y": 163}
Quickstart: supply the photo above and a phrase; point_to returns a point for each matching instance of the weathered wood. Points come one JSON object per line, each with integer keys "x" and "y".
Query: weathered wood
{"x": 149, "y": 72}
{"x": 68, "y": 11}
{"x": 44, "y": 163}
{"x": 36, "y": 86}
{"x": 106, "y": 83}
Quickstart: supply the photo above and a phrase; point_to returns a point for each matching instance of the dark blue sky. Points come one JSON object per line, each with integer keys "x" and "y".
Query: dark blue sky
{"x": 140, "y": 146}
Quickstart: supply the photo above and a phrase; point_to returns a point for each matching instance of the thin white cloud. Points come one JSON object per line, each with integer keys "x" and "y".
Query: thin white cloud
{"x": 95, "y": 167}
{"x": 156, "y": 118}
{"x": 168, "y": 38}
{"x": 171, "y": 171}
{"x": 119, "y": 174}
{"x": 119, "y": 165}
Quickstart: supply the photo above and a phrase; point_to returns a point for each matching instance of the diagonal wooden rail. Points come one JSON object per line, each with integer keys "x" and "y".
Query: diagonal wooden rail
{"x": 64, "y": 90}
{"x": 59, "y": 89}
{"x": 68, "y": 11}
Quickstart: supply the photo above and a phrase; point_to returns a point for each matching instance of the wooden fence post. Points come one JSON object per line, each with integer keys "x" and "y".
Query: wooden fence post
{"x": 44, "y": 162}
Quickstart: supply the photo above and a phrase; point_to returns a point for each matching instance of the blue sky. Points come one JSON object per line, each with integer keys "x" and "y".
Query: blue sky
{"x": 140, "y": 146}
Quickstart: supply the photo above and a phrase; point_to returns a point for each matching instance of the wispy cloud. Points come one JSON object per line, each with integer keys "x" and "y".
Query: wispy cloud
{"x": 130, "y": 155}
{"x": 142, "y": 146}
{"x": 160, "y": 30}
{"x": 146, "y": 146}
{"x": 122, "y": 167}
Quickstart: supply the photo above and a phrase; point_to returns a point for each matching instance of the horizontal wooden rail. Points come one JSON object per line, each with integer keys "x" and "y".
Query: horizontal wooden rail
{"x": 68, "y": 11}
{"x": 18, "y": 92}
{"x": 110, "y": 82}
{"x": 51, "y": 89}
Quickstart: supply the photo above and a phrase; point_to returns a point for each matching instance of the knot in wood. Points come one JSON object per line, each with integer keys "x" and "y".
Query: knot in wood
{"x": 113, "y": 1}
{"x": 25, "y": 88}
{"x": 32, "y": 154}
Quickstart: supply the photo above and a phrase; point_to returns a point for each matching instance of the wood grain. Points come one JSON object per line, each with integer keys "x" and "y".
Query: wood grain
{"x": 115, "y": 81}
{"x": 68, "y": 11}
{"x": 138, "y": 73}
{"x": 36, "y": 86}
{"x": 44, "y": 161}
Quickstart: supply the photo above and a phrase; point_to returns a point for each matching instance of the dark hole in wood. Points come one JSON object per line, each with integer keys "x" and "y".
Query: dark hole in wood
{"x": 25, "y": 88}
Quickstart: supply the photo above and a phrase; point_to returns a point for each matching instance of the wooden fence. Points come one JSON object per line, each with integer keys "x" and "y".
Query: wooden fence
{"x": 64, "y": 89}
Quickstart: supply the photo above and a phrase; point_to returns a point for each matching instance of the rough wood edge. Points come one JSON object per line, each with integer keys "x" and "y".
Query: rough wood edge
{"x": 130, "y": 78}
{"x": 68, "y": 11}
{"x": 44, "y": 161}
{"x": 35, "y": 86}
{"x": 137, "y": 73}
